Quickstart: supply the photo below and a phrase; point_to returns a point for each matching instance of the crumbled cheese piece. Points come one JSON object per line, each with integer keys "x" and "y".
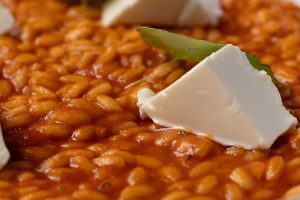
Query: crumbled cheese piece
{"x": 225, "y": 98}
{"x": 4, "y": 153}
{"x": 166, "y": 12}
{"x": 7, "y": 20}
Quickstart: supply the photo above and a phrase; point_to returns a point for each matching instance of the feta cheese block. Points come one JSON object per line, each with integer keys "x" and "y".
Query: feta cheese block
{"x": 4, "y": 153}
{"x": 7, "y": 20}
{"x": 224, "y": 98}
{"x": 166, "y": 12}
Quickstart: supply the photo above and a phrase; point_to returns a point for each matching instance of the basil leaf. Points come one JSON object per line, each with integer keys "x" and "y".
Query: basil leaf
{"x": 185, "y": 48}
{"x": 261, "y": 67}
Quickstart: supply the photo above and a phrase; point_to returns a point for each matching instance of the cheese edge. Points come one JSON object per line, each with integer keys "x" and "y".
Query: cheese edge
{"x": 4, "y": 153}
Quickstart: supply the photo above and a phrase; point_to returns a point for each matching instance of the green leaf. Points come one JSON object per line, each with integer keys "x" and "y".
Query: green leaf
{"x": 185, "y": 48}
{"x": 259, "y": 66}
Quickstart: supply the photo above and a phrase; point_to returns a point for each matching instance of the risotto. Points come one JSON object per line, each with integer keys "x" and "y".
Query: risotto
{"x": 70, "y": 120}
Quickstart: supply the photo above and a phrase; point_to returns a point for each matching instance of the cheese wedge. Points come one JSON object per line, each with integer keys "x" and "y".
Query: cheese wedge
{"x": 225, "y": 98}
{"x": 200, "y": 12}
{"x": 158, "y": 12}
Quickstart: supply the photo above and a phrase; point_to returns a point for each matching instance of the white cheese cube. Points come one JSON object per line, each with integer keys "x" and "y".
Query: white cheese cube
{"x": 158, "y": 12}
{"x": 4, "y": 153}
{"x": 7, "y": 20}
{"x": 225, "y": 98}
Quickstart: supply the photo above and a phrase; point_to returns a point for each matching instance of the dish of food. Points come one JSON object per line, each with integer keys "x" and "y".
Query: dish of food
{"x": 77, "y": 126}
